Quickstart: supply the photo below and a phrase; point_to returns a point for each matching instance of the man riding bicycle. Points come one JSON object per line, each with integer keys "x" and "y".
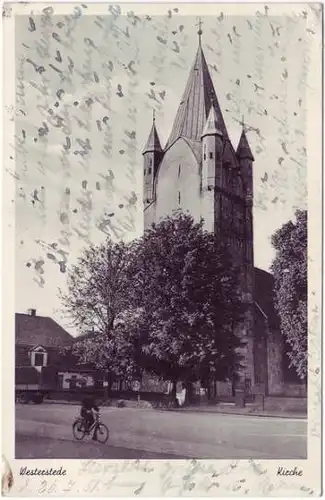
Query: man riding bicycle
{"x": 87, "y": 406}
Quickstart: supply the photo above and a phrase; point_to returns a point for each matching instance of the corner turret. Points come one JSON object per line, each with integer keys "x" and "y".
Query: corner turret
{"x": 152, "y": 155}
{"x": 245, "y": 159}
{"x": 212, "y": 147}
{"x": 243, "y": 150}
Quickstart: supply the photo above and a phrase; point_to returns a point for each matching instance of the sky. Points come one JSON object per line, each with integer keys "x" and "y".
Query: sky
{"x": 86, "y": 87}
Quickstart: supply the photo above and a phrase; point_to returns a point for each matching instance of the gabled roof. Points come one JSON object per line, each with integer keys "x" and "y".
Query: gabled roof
{"x": 40, "y": 330}
{"x": 195, "y": 104}
{"x": 153, "y": 142}
{"x": 243, "y": 149}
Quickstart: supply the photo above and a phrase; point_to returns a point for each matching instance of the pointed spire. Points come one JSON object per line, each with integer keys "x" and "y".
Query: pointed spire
{"x": 153, "y": 142}
{"x": 212, "y": 124}
{"x": 243, "y": 149}
{"x": 195, "y": 104}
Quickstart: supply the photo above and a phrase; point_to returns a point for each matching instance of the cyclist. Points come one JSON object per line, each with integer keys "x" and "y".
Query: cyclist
{"x": 87, "y": 406}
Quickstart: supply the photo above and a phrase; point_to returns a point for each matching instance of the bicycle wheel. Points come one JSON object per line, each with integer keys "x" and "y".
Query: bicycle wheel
{"x": 79, "y": 430}
{"x": 102, "y": 433}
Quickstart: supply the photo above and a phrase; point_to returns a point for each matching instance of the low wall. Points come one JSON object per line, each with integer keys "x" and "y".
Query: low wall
{"x": 70, "y": 395}
{"x": 286, "y": 404}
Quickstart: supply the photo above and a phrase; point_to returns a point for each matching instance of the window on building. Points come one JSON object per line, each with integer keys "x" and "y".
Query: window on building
{"x": 204, "y": 156}
{"x": 179, "y": 197}
{"x": 144, "y": 172}
{"x": 149, "y": 172}
{"x": 179, "y": 170}
{"x": 150, "y": 162}
{"x": 38, "y": 357}
{"x": 211, "y": 155}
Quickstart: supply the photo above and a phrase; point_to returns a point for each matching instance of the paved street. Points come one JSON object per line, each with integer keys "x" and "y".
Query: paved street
{"x": 45, "y": 431}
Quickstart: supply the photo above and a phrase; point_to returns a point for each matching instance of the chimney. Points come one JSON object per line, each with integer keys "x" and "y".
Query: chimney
{"x": 32, "y": 312}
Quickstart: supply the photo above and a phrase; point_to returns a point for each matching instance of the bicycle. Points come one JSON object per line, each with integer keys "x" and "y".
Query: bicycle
{"x": 79, "y": 429}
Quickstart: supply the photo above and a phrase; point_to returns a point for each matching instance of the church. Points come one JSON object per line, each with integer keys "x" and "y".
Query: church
{"x": 200, "y": 171}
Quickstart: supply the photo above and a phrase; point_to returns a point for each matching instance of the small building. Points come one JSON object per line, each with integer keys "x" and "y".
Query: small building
{"x": 39, "y": 341}
{"x": 40, "y": 356}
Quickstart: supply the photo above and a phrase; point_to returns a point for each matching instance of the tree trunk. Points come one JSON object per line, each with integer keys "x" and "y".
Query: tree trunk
{"x": 173, "y": 393}
{"x": 208, "y": 387}
{"x": 189, "y": 393}
{"x": 108, "y": 386}
{"x": 174, "y": 389}
{"x": 233, "y": 387}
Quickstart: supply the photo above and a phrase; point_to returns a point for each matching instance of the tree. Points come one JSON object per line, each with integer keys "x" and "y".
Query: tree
{"x": 96, "y": 300}
{"x": 290, "y": 273}
{"x": 187, "y": 288}
{"x": 97, "y": 287}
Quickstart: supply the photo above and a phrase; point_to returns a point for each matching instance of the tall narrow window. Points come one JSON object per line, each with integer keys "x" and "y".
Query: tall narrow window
{"x": 149, "y": 172}
{"x": 211, "y": 155}
{"x": 179, "y": 197}
{"x": 150, "y": 162}
{"x": 179, "y": 170}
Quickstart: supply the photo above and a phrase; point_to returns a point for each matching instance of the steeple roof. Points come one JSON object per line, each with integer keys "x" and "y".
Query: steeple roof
{"x": 243, "y": 149}
{"x": 153, "y": 142}
{"x": 212, "y": 125}
{"x": 196, "y": 102}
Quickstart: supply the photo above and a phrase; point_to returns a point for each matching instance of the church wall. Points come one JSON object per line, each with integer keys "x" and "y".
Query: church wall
{"x": 279, "y": 383}
{"x": 275, "y": 372}
{"x": 261, "y": 380}
{"x": 149, "y": 215}
{"x": 178, "y": 182}
{"x": 246, "y": 373}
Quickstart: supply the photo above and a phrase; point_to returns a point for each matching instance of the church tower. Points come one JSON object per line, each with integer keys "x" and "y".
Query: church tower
{"x": 200, "y": 172}
{"x": 152, "y": 155}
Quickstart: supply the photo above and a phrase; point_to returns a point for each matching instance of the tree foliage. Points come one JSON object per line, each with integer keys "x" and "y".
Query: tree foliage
{"x": 166, "y": 303}
{"x": 188, "y": 292}
{"x": 290, "y": 273}
{"x": 97, "y": 287}
{"x": 96, "y": 300}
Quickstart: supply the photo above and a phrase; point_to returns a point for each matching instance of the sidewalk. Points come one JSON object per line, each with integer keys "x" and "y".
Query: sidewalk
{"x": 249, "y": 410}
{"x": 221, "y": 408}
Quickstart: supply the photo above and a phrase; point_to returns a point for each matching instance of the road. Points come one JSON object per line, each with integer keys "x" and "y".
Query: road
{"x": 45, "y": 431}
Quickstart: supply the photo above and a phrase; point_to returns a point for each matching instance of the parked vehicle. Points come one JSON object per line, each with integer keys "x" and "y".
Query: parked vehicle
{"x": 33, "y": 385}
